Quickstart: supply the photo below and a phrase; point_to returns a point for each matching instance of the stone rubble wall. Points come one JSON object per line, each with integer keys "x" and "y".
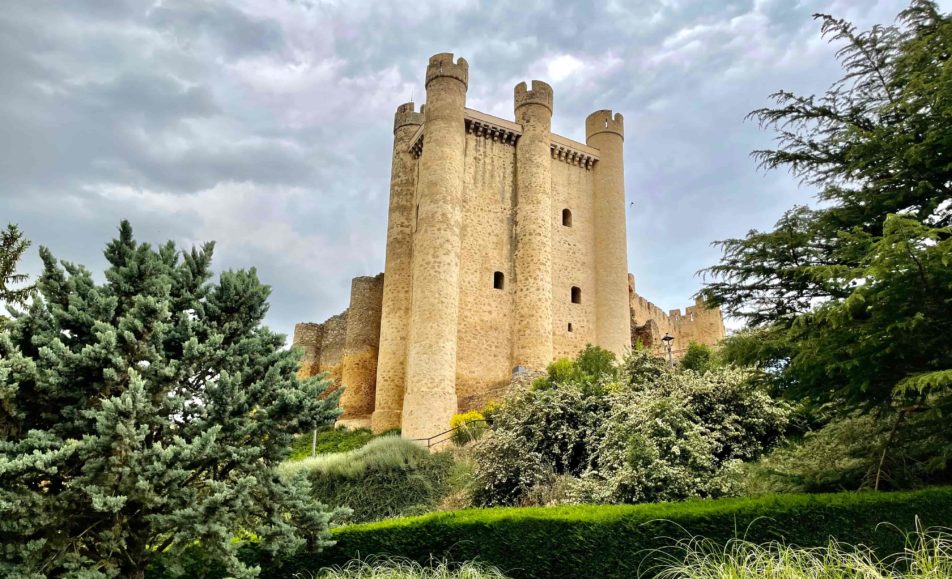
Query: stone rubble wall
{"x": 361, "y": 345}
{"x": 345, "y": 348}
{"x": 650, "y": 323}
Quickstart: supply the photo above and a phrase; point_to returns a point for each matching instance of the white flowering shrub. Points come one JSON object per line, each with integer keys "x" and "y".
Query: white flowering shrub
{"x": 650, "y": 434}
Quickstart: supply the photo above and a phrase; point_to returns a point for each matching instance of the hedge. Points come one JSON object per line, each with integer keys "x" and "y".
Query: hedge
{"x": 622, "y": 540}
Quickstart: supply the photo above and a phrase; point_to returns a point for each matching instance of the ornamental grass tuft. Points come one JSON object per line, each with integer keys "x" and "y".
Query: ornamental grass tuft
{"x": 398, "y": 568}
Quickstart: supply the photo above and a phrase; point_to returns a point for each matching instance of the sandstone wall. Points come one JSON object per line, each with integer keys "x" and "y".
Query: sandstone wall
{"x": 395, "y": 308}
{"x": 345, "y": 348}
{"x": 308, "y": 336}
{"x": 484, "y": 351}
{"x": 323, "y": 346}
{"x": 573, "y": 258}
{"x": 429, "y": 399}
{"x": 696, "y": 324}
{"x": 361, "y": 344}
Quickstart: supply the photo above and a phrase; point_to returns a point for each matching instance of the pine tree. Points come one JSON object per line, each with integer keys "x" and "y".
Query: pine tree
{"x": 146, "y": 413}
{"x": 849, "y": 303}
{"x": 12, "y": 247}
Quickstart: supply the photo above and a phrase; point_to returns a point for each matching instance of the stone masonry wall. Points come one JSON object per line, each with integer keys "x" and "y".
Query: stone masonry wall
{"x": 650, "y": 323}
{"x": 573, "y": 259}
{"x": 361, "y": 344}
{"x": 345, "y": 347}
{"x": 483, "y": 360}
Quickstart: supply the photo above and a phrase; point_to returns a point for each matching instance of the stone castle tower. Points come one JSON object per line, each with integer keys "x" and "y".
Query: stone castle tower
{"x": 506, "y": 249}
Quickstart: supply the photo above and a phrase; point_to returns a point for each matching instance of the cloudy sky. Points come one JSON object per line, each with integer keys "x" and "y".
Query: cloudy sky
{"x": 265, "y": 125}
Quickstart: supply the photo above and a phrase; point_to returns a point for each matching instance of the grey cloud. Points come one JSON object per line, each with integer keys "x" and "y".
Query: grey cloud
{"x": 232, "y": 29}
{"x": 266, "y": 123}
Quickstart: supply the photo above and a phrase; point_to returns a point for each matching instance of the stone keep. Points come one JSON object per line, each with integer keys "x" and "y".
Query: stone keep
{"x": 506, "y": 249}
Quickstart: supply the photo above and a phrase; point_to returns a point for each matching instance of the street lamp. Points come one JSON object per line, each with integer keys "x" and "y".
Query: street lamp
{"x": 667, "y": 339}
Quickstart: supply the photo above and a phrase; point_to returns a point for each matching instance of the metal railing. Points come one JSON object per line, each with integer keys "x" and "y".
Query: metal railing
{"x": 448, "y": 434}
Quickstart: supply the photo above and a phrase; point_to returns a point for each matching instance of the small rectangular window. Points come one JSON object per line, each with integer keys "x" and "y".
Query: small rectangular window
{"x": 499, "y": 280}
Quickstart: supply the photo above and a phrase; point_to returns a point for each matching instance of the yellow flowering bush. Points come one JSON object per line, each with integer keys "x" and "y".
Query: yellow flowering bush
{"x": 469, "y": 425}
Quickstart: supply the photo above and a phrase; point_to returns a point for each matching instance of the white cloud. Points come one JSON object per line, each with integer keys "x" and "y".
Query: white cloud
{"x": 562, "y": 67}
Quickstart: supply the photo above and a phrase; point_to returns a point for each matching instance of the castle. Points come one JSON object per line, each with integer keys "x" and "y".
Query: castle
{"x": 506, "y": 249}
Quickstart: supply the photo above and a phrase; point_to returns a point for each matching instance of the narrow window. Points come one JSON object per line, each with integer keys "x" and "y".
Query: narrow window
{"x": 566, "y": 218}
{"x": 570, "y": 326}
{"x": 499, "y": 280}
{"x": 576, "y": 295}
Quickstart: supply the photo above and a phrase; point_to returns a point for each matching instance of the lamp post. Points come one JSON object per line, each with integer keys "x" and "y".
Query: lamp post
{"x": 667, "y": 339}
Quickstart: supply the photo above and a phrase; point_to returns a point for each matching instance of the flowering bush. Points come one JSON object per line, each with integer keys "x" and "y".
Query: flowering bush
{"x": 639, "y": 432}
{"x": 470, "y": 426}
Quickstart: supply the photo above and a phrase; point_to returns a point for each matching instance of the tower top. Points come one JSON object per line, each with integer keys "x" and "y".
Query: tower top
{"x": 604, "y": 122}
{"x": 539, "y": 94}
{"x": 405, "y": 116}
{"x": 442, "y": 65}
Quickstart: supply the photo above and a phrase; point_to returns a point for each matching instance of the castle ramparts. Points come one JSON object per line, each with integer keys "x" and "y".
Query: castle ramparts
{"x": 506, "y": 249}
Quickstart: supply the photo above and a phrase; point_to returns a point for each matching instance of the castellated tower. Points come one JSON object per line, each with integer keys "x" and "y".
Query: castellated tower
{"x": 429, "y": 399}
{"x": 506, "y": 249}
{"x": 607, "y": 134}
{"x": 395, "y": 317}
{"x": 532, "y": 324}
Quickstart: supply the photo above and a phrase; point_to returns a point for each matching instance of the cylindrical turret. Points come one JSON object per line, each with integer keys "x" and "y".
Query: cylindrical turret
{"x": 606, "y": 133}
{"x": 430, "y": 398}
{"x": 308, "y": 337}
{"x": 361, "y": 344}
{"x": 532, "y": 335}
{"x": 395, "y": 316}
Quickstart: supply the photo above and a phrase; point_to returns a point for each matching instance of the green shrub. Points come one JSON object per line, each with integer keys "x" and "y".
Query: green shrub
{"x": 641, "y": 433}
{"x": 622, "y": 540}
{"x": 699, "y": 357}
{"x": 847, "y": 453}
{"x": 388, "y": 477}
{"x": 593, "y": 371}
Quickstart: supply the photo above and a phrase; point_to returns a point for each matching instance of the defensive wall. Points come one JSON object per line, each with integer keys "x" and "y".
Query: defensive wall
{"x": 506, "y": 249}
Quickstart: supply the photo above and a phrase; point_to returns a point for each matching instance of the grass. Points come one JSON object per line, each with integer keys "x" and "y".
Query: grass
{"x": 387, "y": 477}
{"x": 330, "y": 440}
{"x": 928, "y": 555}
{"x": 396, "y": 568}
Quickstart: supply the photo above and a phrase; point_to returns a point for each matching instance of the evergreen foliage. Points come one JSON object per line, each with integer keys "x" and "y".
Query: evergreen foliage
{"x": 12, "y": 247}
{"x": 699, "y": 357}
{"x": 627, "y": 541}
{"x": 146, "y": 413}
{"x": 848, "y": 304}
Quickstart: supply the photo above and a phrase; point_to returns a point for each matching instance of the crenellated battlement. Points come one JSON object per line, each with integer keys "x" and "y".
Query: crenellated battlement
{"x": 442, "y": 65}
{"x": 540, "y": 94}
{"x": 405, "y": 116}
{"x": 604, "y": 121}
{"x": 697, "y": 323}
{"x": 506, "y": 249}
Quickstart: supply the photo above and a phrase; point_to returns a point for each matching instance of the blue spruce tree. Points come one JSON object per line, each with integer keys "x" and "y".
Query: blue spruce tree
{"x": 147, "y": 414}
